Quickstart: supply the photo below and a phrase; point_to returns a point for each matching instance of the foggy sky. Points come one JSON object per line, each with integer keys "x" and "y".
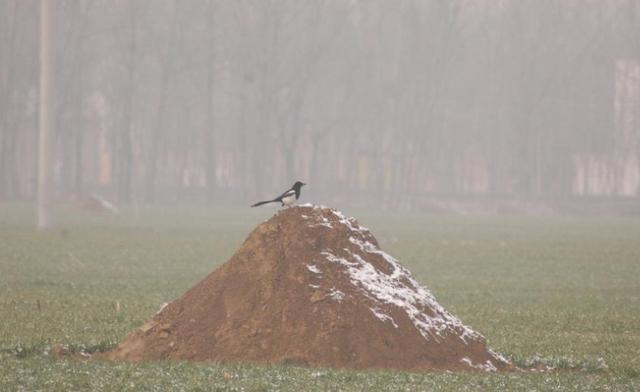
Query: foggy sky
{"x": 402, "y": 104}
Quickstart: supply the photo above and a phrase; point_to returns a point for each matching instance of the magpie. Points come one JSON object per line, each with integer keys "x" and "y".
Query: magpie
{"x": 287, "y": 198}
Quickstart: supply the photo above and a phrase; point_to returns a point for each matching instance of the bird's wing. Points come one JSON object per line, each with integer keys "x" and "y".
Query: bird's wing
{"x": 288, "y": 193}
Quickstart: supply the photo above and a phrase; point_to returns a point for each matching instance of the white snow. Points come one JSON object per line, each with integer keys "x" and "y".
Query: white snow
{"x": 324, "y": 222}
{"x": 368, "y": 247}
{"x": 383, "y": 317}
{"x": 335, "y": 259}
{"x": 398, "y": 288}
{"x": 320, "y": 219}
{"x": 487, "y": 366}
{"x": 349, "y": 222}
{"x": 401, "y": 290}
{"x": 496, "y": 355}
{"x": 336, "y": 294}
{"x": 164, "y": 305}
{"x": 313, "y": 268}
{"x": 314, "y": 286}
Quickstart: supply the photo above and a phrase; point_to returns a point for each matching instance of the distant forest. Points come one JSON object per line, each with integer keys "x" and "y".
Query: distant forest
{"x": 387, "y": 101}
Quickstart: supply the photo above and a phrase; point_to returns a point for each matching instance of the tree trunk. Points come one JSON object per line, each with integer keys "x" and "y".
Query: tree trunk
{"x": 79, "y": 164}
{"x": 7, "y": 128}
{"x": 209, "y": 136}
{"x": 125, "y": 153}
{"x": 47, "y": 114}
{"x": 158, "y": 131}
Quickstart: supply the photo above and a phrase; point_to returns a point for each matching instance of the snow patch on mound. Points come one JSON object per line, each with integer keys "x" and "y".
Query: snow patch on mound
{"x": 487, "y": 366}
{"x": 383, "y": 317}
{"x": 314, "y": 268}
{"x": 398, "y": 288}
{"x": 336, "y": 294}
{"x": 162, "y": 307}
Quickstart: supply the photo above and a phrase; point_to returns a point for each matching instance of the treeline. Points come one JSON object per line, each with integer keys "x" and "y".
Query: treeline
{"x": 390, "y": 101}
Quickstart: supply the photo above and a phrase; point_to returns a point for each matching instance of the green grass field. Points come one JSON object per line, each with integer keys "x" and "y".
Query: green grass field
{"x": 560, "y": 291}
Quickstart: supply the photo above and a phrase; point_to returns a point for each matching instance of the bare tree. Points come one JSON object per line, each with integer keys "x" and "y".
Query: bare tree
{"x": 209, "y": 133}
{"x": 47, "y": 114}
{"x": 124, "y": 147}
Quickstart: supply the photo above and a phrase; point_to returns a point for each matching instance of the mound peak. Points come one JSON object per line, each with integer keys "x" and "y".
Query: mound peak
{"x": 311, "y": 287}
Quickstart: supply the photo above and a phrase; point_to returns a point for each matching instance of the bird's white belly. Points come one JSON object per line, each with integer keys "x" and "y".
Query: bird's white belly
{"x": 288, "y": 200}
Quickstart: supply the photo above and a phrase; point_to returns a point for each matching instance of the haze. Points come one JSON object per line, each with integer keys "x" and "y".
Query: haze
{"x": 416, "y": 105}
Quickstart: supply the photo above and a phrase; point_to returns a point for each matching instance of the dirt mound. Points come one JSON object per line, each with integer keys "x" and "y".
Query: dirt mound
{"x": 311, "y": 287}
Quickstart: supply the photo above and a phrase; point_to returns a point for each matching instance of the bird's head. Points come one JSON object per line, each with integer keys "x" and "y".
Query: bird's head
{"x": 298, "y": 185}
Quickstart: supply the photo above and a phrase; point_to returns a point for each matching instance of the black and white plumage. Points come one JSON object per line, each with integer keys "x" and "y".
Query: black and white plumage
{"x": 287, "y": 198}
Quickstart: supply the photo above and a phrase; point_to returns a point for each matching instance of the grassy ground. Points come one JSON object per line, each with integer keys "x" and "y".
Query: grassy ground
{"x": 561, "y": 291}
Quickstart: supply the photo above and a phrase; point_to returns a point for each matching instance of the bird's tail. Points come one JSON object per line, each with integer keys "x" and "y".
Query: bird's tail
{"x": 263, "y": 202}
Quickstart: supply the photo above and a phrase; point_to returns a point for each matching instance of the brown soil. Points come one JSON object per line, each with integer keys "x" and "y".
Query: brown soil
{"x": 311, "y": 287}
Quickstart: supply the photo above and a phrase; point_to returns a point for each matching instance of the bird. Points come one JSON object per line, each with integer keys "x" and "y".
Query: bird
{"x": 287, "y": 198}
